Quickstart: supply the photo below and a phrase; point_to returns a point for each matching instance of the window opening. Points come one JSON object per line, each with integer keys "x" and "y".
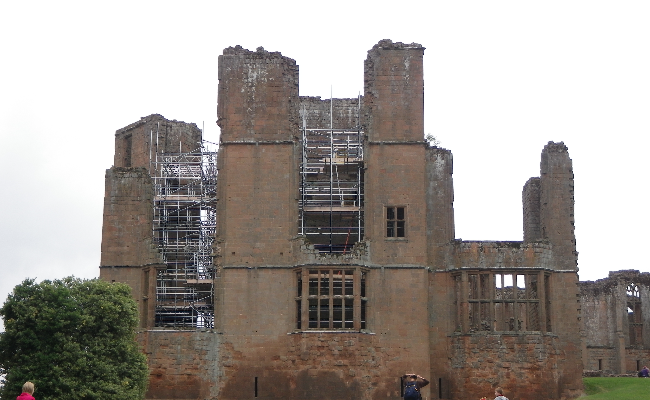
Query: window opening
{"x": 634, "y": 317}
{"x": 500, "y": 302}
{"x": 330, "y": 297}
{"x": 547, "y": 305}
{"x": 395, "y": 222}
{"x": 128, "y": 150}
{"x": 331, "y": 184}
{"x": 184, "y": 226}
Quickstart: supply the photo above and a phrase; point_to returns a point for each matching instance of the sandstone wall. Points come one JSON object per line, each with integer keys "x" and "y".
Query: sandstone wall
{"x": 495, "y": 255}
{"x": 556, "y": 204}
{"x": 395, "y": 176}
{"x": 316, "y": 112}
{"x": 136, "y": 143}
{"x": 528, "y": 367}
{"x": 610, "y": 341}
{"x": 182, "y": 365}
{"x": 531, "y": 208}
{"x": 394, "y": 92}
{"x": 258, "y": 157}
{"x": 260, "y": 339}
{"x": 258, "y": 96}
{"x": 439, "y": 187}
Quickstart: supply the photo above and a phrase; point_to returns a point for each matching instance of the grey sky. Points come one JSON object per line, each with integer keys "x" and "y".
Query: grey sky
{"x": 502, "y": 78}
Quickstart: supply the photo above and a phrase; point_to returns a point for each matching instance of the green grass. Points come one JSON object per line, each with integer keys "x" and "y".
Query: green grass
{"x": 616, "y": 389}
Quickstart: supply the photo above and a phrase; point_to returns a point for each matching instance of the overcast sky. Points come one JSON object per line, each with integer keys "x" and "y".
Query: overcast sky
{"x": 502, "y": 78}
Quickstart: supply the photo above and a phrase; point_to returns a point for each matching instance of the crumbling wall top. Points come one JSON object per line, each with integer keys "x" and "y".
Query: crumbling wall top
{"x": 387, "y": 44}
{"x": 258, "y": 53}
{"x": 615, "y": 278}
{"x": 552, "y": 147}
{"x": 149, "y": 118}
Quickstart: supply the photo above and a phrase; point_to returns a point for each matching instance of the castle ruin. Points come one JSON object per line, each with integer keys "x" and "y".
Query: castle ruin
{"x": 313, "y": 255}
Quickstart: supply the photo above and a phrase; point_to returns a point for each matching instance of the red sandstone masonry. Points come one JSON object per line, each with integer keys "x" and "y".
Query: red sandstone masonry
{"x": 394, "y": 177}
{"x": 440, "y": 203}
{"x": 412, "y": 295}
{"x": 137, "y": 142}
{"x": 128, "y": 219}
{"x": 530, "y": 195}
{"x": 605, "y": 323}
{"x": 394, "y": 92}
{"x": 556, "y": 204}
{"x": 316, "y": 112}
{"x": 182, "y": 365}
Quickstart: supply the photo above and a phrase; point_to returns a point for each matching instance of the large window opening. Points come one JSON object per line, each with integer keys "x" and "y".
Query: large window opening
{"x": 501, "y": 302}
{"x": 331, "y": 299}
{"x": 331, "y": 202}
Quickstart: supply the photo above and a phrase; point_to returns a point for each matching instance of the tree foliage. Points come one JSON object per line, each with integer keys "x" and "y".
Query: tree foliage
{"x": 75, "y": 339}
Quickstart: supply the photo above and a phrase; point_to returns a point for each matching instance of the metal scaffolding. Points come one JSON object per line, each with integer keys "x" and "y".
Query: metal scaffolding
{"x": 331, "y": 189}
{"x": 184, "y": 225}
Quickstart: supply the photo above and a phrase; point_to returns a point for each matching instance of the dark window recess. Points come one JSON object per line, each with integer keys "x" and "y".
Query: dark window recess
{"x": 128, "y": 150}
{"x": 395, "y": 222}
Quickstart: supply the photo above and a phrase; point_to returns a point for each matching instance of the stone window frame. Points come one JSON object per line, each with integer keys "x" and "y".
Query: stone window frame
{"x": 484, "y": 304}
{"x": 326, "y": 300}
{"x": 634, "y": 318}
{"x": 393, "y": 222}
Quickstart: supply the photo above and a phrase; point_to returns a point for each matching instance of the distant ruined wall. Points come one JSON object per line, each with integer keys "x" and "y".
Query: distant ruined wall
{"x": 616, "y": 322}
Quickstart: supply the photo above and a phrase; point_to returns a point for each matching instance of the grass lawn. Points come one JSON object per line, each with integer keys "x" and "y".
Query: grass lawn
{"x": 616, "y": 389}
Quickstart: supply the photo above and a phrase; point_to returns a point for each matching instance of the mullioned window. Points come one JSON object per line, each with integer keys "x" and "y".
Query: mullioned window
{"x": 503, "y": 301}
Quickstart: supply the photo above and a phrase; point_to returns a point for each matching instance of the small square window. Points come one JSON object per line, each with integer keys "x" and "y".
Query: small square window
{"x": 395, "y": 222}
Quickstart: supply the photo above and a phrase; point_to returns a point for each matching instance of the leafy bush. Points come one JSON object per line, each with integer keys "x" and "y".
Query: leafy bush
{"x": 74, "y": 339}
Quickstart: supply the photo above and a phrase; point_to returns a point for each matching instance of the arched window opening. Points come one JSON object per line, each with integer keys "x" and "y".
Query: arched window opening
{"x": 634, "y": 319}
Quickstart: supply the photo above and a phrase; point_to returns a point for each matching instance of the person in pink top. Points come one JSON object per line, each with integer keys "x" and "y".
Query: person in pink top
{"x": 28, "y": 391}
